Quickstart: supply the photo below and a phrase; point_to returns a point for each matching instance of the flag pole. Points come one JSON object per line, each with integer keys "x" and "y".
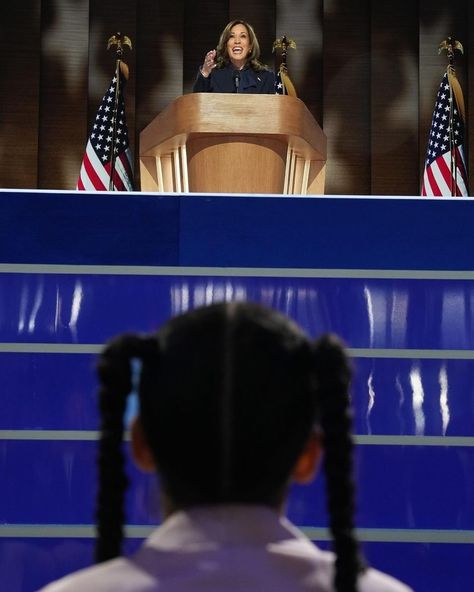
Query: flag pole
{"x": 118, "y": 40}
{"x": 114, "y": 124}
{"x": 450, "y": 45}
{"x": 284, "y": 44}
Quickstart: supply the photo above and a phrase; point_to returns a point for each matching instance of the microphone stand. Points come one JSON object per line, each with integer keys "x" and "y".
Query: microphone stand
{"x": 236, "y": 77}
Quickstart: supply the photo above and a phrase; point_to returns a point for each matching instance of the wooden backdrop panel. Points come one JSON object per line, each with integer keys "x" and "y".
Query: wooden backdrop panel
{"x": 394, "y": 98}
{"x": 302, "y": 20}
{"x": 368, "y": 72}
{"x": 159, "y": 53}
{"x": 159, "y": 62}
{"x": 346, "y": 83}
{"x": 63, "y": 91}
{"x": 20, "y": 29}
{"x": 203, "y": 24}
{"x": 261, "y": 15}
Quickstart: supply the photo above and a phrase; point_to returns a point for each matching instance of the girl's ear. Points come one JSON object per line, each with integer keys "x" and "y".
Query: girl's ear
{"x": 141, "y": 452}
{"x": 307, "y": 465}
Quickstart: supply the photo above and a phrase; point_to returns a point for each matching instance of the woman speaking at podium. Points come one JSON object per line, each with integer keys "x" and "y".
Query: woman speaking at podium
{"x": 234, "y": 66}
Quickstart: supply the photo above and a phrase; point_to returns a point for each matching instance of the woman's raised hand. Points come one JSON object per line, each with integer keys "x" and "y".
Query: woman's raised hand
{"x": 209, "y": 63}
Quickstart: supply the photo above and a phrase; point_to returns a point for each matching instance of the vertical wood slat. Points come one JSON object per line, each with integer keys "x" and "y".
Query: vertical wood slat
{"x": 286, "y": 181}
{"x": 291, "y": 181}
{"x": 159, "y": 167}
{"x": 19, "y": 91}
{"x": 167, "y": 173}
{"x": 346, "y": 85}
{"x": 298, "y": 180}
{"x": 437, "y": 22}
{"x": 184, "y": 167}
{"x": 176, "y": 156}
{"x": 394, "y": 98}
{"x": 304, "y": 184}
{"x": 63, "y": 92}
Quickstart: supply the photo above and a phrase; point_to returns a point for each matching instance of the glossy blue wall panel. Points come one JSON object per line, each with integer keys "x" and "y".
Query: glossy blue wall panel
{"x": 377, "y": 313}
{"x": 415, "y": 487}
{"x": 66, "y": 308}
{"x": 422, "y": 487}
{"x": 426, "y": 567}
{"x": 264, "y": 231}
{"x": 321, "y": 232}
{"x": 77, "y": 227}
{"x": 400, "y": 487}
{"x": 385, "y": 400}
{"x": 48, "y": 392}
{"x": 54, "y": 482}
{"x": 58, "y": 392}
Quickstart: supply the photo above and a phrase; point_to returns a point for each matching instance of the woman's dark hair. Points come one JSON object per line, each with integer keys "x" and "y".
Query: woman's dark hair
{"x": 229, "y": 395}
{"x": 222, "y": 57}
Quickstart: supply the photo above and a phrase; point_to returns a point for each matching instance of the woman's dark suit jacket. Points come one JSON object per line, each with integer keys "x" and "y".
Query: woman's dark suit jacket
{"x": 221, "y": 80}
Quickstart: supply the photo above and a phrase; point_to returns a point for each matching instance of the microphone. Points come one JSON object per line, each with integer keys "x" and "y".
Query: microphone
{"x": 236, "y": 78}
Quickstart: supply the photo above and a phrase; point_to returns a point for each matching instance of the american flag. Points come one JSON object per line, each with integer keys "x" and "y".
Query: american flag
{"x": 96, "y": 164}
{"x": 445, "y": 171}
{"x": 279, "y": 86}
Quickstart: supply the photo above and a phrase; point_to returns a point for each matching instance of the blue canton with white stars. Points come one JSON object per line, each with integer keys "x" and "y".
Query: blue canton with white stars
{"x": 439, "y": 138}
{"x": 102, "y": 130}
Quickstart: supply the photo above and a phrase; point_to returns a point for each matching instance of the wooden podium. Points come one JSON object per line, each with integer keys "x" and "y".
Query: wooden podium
{"x": 231, "y": 143}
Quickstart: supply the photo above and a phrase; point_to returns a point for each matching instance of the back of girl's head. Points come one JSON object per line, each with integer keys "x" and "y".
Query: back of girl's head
{"x": 229, "y": 395}
{"x": 228, "y": 408}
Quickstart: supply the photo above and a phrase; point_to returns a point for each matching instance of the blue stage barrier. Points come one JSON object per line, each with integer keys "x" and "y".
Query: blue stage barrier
{"x": 393, "y": 276}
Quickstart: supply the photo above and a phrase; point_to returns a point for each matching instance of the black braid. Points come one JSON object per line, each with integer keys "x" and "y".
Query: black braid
{"x": 115, "y": 385}
{"x": 333, "y": 379}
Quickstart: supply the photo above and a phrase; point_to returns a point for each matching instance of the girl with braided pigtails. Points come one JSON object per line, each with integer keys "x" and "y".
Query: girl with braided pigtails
{"x": 236, "y": 403}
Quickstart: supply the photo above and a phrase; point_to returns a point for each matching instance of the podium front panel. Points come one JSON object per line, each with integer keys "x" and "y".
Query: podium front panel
{"x": 236, "y": 164}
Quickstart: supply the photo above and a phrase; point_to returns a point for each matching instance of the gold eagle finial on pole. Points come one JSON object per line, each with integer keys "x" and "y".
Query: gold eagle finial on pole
{"x": 450, "y": 45}
{"x": 284, "y": 44}
{"x": 120, "y": 41}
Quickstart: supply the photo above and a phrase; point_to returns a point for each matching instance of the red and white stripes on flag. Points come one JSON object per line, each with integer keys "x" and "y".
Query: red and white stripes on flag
{"x": 438, "y": 179}
{"x": 445, "y": 171}
{"x": 97, "y": 162}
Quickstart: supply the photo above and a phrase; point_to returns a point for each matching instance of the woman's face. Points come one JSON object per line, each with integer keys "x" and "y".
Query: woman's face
{"x": 238, "y": 45}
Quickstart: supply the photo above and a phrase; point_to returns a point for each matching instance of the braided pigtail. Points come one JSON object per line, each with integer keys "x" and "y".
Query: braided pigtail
{"x": 333, "y": 375}
{"x": 115, "y": 376}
